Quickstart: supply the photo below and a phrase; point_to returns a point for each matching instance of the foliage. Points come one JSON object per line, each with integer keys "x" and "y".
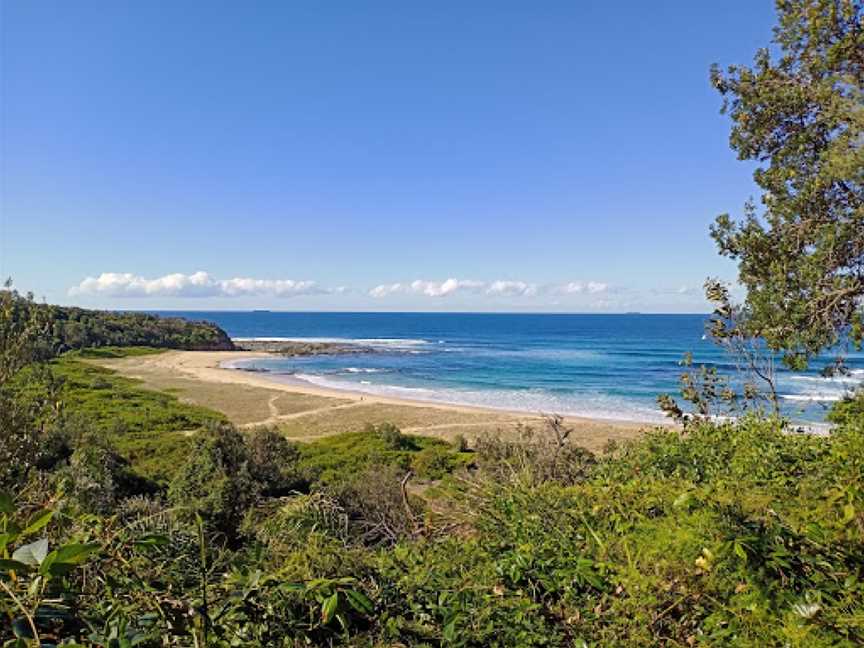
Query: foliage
{"x": 435, "y": 462}
{"x": 390, "y": 435}
{"x": 711, "y": 393}
{"x": 97, "y": 478}
{"x": 77, "y": 328}
{"x": 847, "y": 411}
{"x": 50, "y": 330}
{"x": 22, "y": 330}
{"x": 273, "y": 461}
{"x": 536, "y": 455}
{"x": 149, "y": 429}
{"x": 113, "y": 352}
{"x": 731, "y": 534}
{"x": 215, "y": 482}
{"x": 802, "y": 118}
{"x": 460, "y": 443}
{"x": 334, "y": 458}
{"x": 377, "y": 505}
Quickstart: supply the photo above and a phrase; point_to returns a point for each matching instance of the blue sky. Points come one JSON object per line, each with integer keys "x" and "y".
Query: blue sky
{"x": 564, "y": 156}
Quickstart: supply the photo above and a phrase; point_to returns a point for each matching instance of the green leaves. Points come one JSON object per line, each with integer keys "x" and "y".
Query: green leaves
{"x": 37, "y": 522}
{"x": 56, "y": 563}
{"x": 151, "y": 540}
{"x": 359, "y": 601}
{"x": 799, "y": 117}
{"x": 328, "y": 609}
{"x": 63, "y": 560}
{"x": 12, "y": 565}
{"x": 686, "y": 501}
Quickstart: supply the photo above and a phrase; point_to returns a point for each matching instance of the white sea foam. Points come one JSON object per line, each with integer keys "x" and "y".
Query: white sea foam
{"x": 239, "y": 363}
{"x": 363, "y": 385}
{"x": 544, "y": 354}
{"x": 363, "y": 370}
{"x": 829, "y": 380}
{"x": 824, "y": 389}
{"x": 594, "y": 406}
{"x": 370, "y": 342}
{"x": 815, "y": 397}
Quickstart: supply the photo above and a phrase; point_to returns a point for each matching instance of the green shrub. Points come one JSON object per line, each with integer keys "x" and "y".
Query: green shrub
{"x": 333, "y": 458}
{"x": 379, "y": 511}
{"x": 97, "y": 478}
{"x": 848, "y": 411}
{"x": 273, "y": 462}
{"x": 460, "y": 443}
{"x": 434, "y": 462}
{"x": 538, "y": 456}
{"x": 148, "y": 428}
{"x": 215, "y": 482}
{"x": 390, "y": 435}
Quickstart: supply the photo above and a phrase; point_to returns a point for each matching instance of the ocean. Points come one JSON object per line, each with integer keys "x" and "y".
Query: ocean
{"x": 592, "y": 365}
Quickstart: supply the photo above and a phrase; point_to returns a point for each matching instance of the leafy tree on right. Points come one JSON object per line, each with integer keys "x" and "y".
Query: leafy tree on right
{"x": 801, "y": 117}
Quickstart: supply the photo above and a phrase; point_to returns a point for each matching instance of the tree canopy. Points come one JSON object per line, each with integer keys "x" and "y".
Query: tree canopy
{"x": 800, "y": 115}
{"x": 57, "y": 329}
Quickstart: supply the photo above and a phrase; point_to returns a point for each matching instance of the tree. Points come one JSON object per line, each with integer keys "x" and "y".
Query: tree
{"x": 801, "y": 117}
{"x": 273, "y": 462}
{"x": 215, "y": 482}
{"x": 23, "y": 412}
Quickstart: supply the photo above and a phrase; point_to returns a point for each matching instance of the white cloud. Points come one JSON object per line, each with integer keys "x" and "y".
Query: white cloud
{"x": 578, "y": 287}
{"x": 202, "y": 284}
{"x": 498, "y": 288}
{"x": 428, "y": 288}
{"x": 512, "y": 288}
{"x": 574, "y": 287}
{"x": 444, "y": 288}
{"x": 198, "y": 284}
{"x": 385, "y": 290}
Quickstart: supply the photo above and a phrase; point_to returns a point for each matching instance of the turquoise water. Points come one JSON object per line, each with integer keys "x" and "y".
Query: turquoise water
{"x": 603, "y": 366}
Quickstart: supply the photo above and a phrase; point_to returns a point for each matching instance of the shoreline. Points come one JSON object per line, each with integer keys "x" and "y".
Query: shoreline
{"x": 305, "y": 411}
{"x": 291, "y": 382}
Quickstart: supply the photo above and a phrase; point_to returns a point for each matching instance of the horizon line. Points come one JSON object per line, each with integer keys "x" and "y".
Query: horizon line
{"x": 375, "y": 312}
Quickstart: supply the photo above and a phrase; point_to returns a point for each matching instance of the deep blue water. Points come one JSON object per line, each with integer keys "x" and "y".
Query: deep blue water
{"x": 608, "y": 366}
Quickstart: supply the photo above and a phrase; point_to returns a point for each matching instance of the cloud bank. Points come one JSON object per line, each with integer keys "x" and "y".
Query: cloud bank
{"x": 202, "y": 285}
{"x": 577, "y": 287}
{"x": 198, "y": 284}
{"x": 498, "y": 288}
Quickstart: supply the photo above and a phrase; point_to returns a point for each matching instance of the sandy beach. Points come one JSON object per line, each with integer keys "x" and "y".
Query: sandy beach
{"x": 306, "y": 411}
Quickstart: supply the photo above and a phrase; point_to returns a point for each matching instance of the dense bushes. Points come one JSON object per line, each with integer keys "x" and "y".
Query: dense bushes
{"x": 273, "y": 462}
{"x": 59, "y": 329}
{"x": 732, "y": 534}
{"x": 332, "y": 459}
{"x": 215, "y": 481}
{"x": 149, "y": 429}
{"x": 77, "y": 328}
